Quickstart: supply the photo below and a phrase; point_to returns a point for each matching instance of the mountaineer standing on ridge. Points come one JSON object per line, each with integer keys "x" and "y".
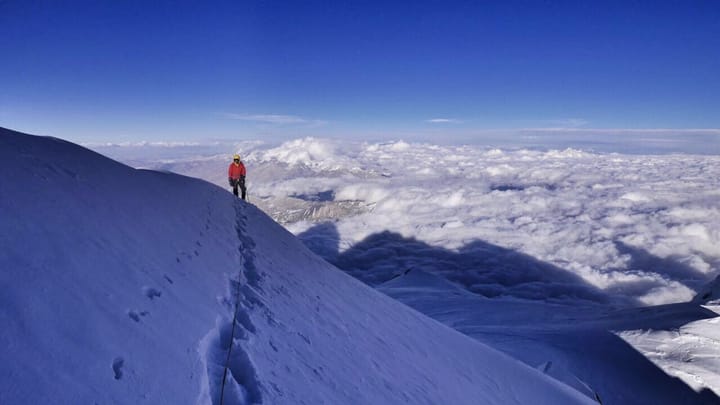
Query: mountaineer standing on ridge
{"x": 236, "y": 175}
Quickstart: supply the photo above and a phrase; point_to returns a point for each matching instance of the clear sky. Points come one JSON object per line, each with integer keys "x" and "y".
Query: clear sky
{"x": 167, "y": 70}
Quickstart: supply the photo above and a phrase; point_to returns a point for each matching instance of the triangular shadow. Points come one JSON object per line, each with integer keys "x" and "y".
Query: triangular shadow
{"x": 480, "y": 267}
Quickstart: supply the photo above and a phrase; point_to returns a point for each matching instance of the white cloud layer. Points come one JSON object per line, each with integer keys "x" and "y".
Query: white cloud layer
{"x": 634, "y": 227}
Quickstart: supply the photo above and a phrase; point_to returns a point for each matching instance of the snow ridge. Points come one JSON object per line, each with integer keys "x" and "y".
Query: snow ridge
{"x": 231, "y": 374}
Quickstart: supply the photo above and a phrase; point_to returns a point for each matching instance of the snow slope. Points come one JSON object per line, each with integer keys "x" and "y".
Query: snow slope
{"x": 579, "y": 343}
{"x": 129, "y": 286}
{"x": 709, "y": 293}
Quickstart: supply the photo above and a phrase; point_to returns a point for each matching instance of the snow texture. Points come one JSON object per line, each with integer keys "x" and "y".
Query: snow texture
{"x": 579, "y": 344}
{"x": 132, "y": 286}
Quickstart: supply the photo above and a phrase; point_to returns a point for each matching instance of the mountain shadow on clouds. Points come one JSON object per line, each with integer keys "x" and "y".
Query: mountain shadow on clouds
{"x": 324, "y": 240}
{"x": 669, "y": 268}
{"x": 585, "y": 352}
{"x": 322, "y": 196}
{"x": 479, "y": 266}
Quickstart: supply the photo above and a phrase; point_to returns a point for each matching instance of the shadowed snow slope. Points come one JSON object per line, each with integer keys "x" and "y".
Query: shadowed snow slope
{"x": 710, "y": 292}
{"x": 121, "y": 286}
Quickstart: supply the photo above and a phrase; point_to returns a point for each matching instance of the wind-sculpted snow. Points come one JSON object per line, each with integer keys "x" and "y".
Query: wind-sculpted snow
{"x": 128, "y": 286}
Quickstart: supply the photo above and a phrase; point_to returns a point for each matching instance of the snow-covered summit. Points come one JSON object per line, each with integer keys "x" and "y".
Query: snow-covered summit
{"x": 132, "y": 286}
{"x": 317, "y": 154}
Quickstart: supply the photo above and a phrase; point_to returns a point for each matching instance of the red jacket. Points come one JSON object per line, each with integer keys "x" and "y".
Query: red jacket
{"x": 236, "y": 170}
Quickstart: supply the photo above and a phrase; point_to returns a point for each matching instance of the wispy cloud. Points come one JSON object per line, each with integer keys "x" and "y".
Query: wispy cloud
{"x": 668, "y": 131}
{"x": 277, "y": 119}
{"x": 145, "y": 144}
{"x": 443, "y": 121}
{"x": 552, "y": 124}
{"x": 268, "y": 118}
{"x": 568, "y": 122}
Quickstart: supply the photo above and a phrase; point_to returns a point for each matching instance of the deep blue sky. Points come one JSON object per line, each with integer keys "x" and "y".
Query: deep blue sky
{"x": 131, "y": 70}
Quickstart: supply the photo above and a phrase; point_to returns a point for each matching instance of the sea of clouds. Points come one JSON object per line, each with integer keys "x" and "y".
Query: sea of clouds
{"x": 559, "y": 225}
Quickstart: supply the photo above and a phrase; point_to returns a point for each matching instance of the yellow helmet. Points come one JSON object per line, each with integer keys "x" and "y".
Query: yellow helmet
{"x": 236, "y": 157}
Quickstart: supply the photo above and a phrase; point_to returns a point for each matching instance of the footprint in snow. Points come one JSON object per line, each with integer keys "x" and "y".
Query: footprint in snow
{"x": 135, "y": 316}
{"x": 117, "y": 367}
{"x": 152, "y": 293}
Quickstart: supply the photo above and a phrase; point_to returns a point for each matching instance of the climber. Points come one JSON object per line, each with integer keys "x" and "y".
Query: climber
{"x": 236, "y": 176}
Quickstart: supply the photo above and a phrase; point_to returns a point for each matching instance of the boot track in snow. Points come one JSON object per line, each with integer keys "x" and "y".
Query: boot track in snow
{"x": 231, "y": 377}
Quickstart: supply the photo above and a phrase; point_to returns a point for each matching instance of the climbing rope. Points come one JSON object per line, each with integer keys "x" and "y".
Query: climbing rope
{"x": 240, "y": 277}
{"x": 232, "y": 341}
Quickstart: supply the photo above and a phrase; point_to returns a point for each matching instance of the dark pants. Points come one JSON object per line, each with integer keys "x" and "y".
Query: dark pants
{"x": 235, "y": 183}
